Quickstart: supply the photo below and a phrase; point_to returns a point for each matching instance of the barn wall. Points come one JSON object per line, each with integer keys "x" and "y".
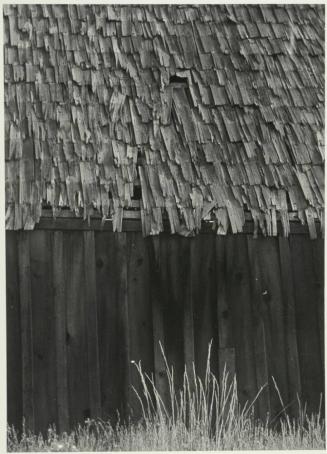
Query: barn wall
{"x": 81, "y": 305}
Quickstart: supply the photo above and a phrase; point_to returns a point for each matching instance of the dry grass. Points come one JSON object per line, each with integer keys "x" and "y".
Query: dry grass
{"x": 203, "y": 415}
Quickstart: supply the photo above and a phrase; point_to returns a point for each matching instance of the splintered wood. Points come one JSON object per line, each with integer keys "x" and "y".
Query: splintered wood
{"x": 93, "y": 105}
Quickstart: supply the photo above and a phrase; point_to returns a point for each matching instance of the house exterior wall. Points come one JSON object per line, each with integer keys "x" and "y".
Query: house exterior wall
{"x": 82, "y": 305}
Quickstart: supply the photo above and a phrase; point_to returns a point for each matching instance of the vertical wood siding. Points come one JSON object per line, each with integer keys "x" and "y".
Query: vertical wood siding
{"x": 83, "y": 305}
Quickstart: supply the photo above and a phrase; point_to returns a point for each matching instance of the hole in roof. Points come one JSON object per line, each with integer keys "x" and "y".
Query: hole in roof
{"x": 137, "y": 193}
{"x": 178, "y": 80}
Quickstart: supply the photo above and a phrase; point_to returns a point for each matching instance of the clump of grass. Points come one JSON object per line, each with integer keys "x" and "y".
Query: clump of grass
{"x": 202, "y": 415}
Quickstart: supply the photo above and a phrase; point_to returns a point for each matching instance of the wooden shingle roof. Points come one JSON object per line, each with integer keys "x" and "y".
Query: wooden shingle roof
{"x": 212, "y": 110}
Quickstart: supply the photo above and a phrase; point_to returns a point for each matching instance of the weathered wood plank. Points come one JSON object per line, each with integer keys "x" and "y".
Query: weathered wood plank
{"x": 188, "y": 289}
{"x": 111, "y": 295}
{"x": 263, "y": 329}
{"x": 129, "y": 225}
{"x": 132, "y": 224}
{"x": 92, "y": 324}
{"x": 226, "y": 344}
{"x": 239, "y": 300}
{"x": 26, "y": 328}
{"x": 59, "y": 295}
{"x": 306, "y": 322}
{"x": 139, "y": 314}
{"x": 79, "y": 407}
{"x": 293, "y": 367}
{"x": 122, "y": 298}
{"x": 156, "y": 288}
{"x": 319, "y": 268}
{"x": 135, "y": 213}
{"x": 172, "y": 292}
{"x": 188, "y": 313}
{"x": 272, "y": 295}
{"x": 203, "y": 285}
{"x": 44, "y": 344}
{"x": 14, "y": 345}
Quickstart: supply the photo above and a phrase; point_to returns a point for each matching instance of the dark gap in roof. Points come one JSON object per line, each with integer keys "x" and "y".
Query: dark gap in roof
{"x": 139, "y": 158}
{"x": 46, "y": 204}
{"x": 178, "y": 80}
{"x": 137, "y": 190}
{"x": 289, "y": 203}
{"x": 137, "y": 193}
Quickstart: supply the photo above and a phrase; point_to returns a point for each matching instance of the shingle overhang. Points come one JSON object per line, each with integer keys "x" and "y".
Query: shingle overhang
{"x": 213, "y": 110}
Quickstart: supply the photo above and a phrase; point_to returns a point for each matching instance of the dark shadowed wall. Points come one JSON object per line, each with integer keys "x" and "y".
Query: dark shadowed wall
{"x": 81, "y": 305}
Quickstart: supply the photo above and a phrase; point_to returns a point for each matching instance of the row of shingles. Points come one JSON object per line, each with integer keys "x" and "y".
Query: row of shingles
{"x": 232, "y": 129}
{"x": 188, "y": 138}
{"x": 147, "y": 199}
{"x": 125, "y": 50}
{"x": 308, "y": 156}
{"x": 179, "y": 191}
{"x": 153, "y": 198}
{"x": 229, "y": 130}
{"x": 206, "y": 32}
{"x": 118, "y": 181}
{"x": 20, "y": 21}
{"x": 140, "y": 48}
{"x": 298, "y": 157}
{"x": 81, "y": 147}
{"x": 161, "y": 176}
{"x": 205, "y": 78}
{"x": 167, "y": 64}
{"x": 192, "y": 132}
{"x": 299, "y": 147}
{"x": 176, "y": 171}
{"x": 311, "y": 177}
{"x": 15, "y": 191}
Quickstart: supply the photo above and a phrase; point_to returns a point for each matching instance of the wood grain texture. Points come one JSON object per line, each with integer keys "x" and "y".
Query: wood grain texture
{"x": 92, "y": 324}
{"x": 44, "y": 334}
{"x": 123, "y": 319}
{"x": 293, "y": 367}
{"x": 272, "y": 294}
{"x": 203, "y": 287}
{"x": 157, "y": 301}
{"x": 88, "y": 303}
{"x": 59, "y": 296}
{"x": 25, "y": 295}
{"x": 226, "y": 343}
{"x": 76, "y": 334}
{"x": 110, "y": 329}
{"x": 240, "y": 299}
{"x": 166, "y": 141}
{"x": 269, "y": 319}
{"x": 71, "y": 222}
{"x": 172, "y": 273}
{"x": 319, "y": 268}
{"x": 306, "y": 322}
{"x": 139, "y": 315}
{"x": 188, "y": 306}
{"x": 14, "y": 343}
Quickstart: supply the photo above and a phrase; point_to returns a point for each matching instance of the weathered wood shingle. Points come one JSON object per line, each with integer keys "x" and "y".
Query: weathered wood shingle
{"x": 91, "y": 111}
